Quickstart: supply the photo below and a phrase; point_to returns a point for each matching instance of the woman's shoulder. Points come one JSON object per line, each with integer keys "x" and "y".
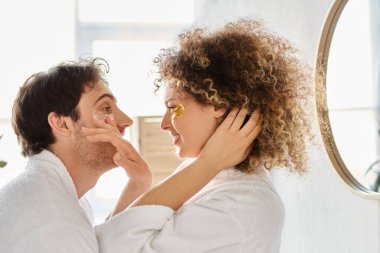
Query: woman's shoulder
{"x": 250, "y": 200}
{"x": 233, "y": 187}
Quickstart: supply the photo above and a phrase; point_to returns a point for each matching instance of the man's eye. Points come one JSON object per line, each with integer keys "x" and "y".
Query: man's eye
{"x": 107, "y": 110}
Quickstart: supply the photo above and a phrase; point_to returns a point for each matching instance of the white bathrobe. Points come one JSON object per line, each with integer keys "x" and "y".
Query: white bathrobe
{"x": 40, "y": 211}
{"x": 234, "y": 213}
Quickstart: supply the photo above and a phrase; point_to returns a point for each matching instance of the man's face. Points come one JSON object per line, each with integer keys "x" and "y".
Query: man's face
{"x": 94, "y": 102}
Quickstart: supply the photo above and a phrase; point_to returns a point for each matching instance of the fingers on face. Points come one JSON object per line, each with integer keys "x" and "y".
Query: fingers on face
{"x": 106, "y": 123}
{"x": 110, "y": 121}
{"x": 102, "y": 128}
{"x": 92, "y": 133}
{"x": 104, "y": 137}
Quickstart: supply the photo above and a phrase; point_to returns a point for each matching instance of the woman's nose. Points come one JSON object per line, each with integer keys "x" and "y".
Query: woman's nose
{"x": 166, "y": 121}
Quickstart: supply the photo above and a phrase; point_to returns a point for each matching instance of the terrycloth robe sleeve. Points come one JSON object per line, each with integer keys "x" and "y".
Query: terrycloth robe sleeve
{"x": 61, "y": 237}
{"x": 193, "y": 228}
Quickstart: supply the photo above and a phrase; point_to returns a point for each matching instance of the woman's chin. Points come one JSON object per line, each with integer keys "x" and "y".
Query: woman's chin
{"x": 182, "y": 153}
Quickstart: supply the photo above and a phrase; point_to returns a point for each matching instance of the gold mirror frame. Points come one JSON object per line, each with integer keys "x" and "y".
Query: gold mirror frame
{"x": 321, "y": 99}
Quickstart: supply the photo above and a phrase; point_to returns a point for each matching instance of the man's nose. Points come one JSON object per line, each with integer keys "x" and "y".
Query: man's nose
{"x": 123, "y": 121}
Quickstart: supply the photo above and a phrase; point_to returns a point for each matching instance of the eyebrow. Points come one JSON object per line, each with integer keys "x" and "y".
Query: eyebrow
{"x": 106, "y": 95}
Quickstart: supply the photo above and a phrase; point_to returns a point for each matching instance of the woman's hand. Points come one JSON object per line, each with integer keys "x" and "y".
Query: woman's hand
{"x": 126, "y": 155}
{"x": 228, "y": 146}
{"x": 231, "y": 142}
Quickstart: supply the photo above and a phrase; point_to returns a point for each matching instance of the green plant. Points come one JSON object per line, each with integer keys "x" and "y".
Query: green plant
{"x": 2, "y": 163}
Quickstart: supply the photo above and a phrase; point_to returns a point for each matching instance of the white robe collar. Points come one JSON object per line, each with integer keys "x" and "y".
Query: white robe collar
{"x": 46, "y": 160}
{"x": 230, "y": 174}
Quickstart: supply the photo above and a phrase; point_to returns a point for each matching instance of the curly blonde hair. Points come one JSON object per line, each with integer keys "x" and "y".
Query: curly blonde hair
{"x": 243, "y": 65}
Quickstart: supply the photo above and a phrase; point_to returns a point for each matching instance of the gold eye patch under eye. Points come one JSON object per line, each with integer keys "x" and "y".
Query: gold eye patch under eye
{"x": 178, "y": 111}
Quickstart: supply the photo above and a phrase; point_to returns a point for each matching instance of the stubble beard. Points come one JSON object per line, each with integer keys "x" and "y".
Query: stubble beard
{"x": 94, "y": 155}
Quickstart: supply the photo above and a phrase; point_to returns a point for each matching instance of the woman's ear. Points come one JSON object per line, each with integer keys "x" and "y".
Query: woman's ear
{"x": 58, "y": 124}
{"x": 219, "y": 112}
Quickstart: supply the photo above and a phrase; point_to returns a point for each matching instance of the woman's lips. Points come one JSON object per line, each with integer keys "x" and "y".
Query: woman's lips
{"x": 175, "y": 139}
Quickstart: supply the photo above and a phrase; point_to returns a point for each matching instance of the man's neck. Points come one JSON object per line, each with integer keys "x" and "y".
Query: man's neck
{"x": 84, "y": 178}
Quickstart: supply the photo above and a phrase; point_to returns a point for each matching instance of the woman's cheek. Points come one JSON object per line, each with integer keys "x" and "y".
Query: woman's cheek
{"x": 176, "y": 123}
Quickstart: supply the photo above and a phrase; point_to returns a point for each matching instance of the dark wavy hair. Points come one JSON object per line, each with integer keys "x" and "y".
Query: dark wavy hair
{"x": 243, "y": 65}
{"x": 57, "y": 90}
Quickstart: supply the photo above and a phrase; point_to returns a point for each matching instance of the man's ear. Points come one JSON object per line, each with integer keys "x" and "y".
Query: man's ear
{"x": 219, "y": 112}
{"x": 58, "y": 124}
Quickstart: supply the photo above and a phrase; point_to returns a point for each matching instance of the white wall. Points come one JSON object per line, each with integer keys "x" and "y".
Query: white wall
{"x": 34, "y": 35}
{"x": 323, "y": 215}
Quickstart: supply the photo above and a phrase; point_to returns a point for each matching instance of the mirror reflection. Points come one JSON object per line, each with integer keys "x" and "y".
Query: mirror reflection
{"x": 352, "y": 87}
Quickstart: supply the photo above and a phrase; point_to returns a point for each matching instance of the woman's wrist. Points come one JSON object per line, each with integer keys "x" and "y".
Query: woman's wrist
{"x": 133, "y": 190}
{"x": 140, "y": 176}
{"x": 141, "y": 186}
{"x": 211, "y": 163}
{"x": 143, "y": 183}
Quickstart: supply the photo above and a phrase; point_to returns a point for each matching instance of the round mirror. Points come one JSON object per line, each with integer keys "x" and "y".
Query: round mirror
{"x": 348, "y": 94}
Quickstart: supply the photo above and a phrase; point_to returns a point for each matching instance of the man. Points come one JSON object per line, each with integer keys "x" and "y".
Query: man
{"x": 69, "y": 126}
{"x": 41, "y": 209}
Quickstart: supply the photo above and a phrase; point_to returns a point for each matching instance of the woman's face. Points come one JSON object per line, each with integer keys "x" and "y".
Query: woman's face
{"x": 193, "y": 126}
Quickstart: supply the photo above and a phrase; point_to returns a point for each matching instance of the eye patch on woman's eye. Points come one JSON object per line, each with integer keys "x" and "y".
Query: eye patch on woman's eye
{"x": 178, "y": 111}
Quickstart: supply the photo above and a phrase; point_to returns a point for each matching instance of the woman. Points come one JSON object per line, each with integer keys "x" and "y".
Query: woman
{"x": 240, "y": 65}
